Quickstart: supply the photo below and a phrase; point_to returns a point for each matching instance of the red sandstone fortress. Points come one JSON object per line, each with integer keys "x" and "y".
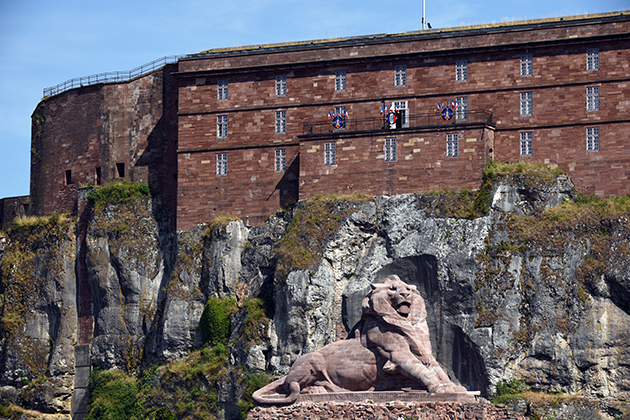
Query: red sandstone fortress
{"x": 246, "y": 130}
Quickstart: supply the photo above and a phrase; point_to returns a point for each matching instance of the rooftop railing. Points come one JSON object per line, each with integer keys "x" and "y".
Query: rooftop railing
{"x": 113, "y": 76}
{"x": 379, "y": 123}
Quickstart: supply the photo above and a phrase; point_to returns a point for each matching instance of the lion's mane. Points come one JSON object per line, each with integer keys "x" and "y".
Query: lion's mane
{"x": 378, "y": 304}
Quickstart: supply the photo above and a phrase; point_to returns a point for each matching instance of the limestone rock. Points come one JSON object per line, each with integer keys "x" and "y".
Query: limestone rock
{"x": 527, "y": 194}
{"x": 126, "y": 272}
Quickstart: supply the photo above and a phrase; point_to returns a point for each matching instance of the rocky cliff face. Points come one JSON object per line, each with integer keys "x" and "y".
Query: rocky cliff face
{"x": 529, "y": 290}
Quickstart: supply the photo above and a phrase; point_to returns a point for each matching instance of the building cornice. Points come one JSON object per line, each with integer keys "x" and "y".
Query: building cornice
{"x": 466, "y": 31}
{"x": 345, "y": 61}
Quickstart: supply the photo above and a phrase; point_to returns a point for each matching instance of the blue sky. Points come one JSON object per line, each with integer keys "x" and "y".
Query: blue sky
{"x": 44, "y": 42}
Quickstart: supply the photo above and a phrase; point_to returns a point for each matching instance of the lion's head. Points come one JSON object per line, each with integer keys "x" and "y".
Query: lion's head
{"x": 393, "y": 299}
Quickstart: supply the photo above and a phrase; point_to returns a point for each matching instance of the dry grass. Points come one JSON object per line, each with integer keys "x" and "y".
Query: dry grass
{"x": 40, "y": 221}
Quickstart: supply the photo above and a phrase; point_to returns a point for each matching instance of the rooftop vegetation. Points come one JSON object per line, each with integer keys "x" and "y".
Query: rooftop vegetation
{"x": 118, "y": 192}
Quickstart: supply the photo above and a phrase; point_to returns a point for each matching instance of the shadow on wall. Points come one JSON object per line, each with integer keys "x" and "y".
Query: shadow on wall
{"x": 288, "y": 186}
{"x": 454, "y": 350}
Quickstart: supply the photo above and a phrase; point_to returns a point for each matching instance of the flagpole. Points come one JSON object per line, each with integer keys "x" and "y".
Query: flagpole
{"x": 423, "y": 15}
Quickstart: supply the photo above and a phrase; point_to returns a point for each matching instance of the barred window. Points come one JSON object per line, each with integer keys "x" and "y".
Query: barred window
{"x": 340, "y": 80}
{"x": 390, "y": 149}
{"x": 526, "y": 143}
{"x": 400, "y": 76}
{"x": 330, "y": 153}
{"x": 222, "y": 126}
{"x": 592, "y": 59}
{"x": 281, "y": 85}
{"x": 461, "y": 113}
{"x": 461, "y": 70}
{"x": 527, "y": 65}
{"x": 222, "y": 164}
{"x": 592, "y": 139}
{"x": 281, "y": 122}
{"x": 452, "y": 145}
{"x": 592, "y": 98}
{"x": 526, "y": 103}
{"x": 222, "y": 90}
{"x": 281, "y": 160}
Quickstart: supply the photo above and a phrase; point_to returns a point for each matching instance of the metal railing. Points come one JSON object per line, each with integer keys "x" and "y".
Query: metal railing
{"x": 112, "y": 76}
{"x": 374, "y": 124}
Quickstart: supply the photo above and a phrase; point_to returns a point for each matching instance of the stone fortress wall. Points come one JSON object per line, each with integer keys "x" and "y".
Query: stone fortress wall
{"x": 562, "y": 84}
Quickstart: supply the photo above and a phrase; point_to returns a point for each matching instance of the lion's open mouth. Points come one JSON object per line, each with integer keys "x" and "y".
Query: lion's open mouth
{"x": 403, "y": 309}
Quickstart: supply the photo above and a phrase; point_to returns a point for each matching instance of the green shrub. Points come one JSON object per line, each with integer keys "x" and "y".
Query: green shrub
{"x": 508, "y": 390}
{"x": 118, "y": 192}
{"x": 215, "y": 320}
{"x": 113, "y": 395}
{"x": 252, "y": 382}
{"x": 511, "y": 387}
{"x": 257, "y": 310}
{"x": 163, "y": 413}
{"x": 8, "y": 410}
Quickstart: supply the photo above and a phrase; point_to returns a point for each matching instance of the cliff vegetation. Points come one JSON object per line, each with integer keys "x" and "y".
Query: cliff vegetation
{"x": 525, "y": 281}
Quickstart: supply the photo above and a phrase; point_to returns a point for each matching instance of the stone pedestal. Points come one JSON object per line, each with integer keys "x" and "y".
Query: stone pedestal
{"x": 393, "y": 410}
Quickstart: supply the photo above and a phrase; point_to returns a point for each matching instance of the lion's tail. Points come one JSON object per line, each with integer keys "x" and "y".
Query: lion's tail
{"x": 273, "y": 393}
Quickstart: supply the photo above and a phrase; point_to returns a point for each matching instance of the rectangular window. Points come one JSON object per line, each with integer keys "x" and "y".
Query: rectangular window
{"x": 222, "y": 164}
{"x": 330, "y": 153}
{"x": 68, "y": 177}
{"x": 452, "y": 145}
{"x": 461, "y": 70}
{"x": 340, "y": 80}
{"x": 120, "y": 170}
{"x": 222, "y": 126}
{"x": 403, "y": 110}
{"x": 592, "y": 59}
{"x": 97, "y": 176}
{"x": 390, "y": 149}
{"x": 526, "y": 143}
{"x": 281, "y": 122}
{"x": 592, "y": 98}
{"x": 461, "y": 112}
{"x": 526, "y": 103}
{"x": 592, "y": 139}
{"x": 281, "y": 160}
{"x": 281, "y": 85}
{"x": 400, "y": 76}
{"x": 527, "y": 65}
{"x": 340, "y": 110}
{"x": 222, "y": 90}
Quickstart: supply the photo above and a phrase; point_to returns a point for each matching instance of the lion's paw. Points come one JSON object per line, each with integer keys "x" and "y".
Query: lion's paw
{"x": 447, "y": 389}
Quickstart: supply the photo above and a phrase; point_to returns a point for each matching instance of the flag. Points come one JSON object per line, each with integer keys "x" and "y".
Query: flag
{"x": 329, "y": 116}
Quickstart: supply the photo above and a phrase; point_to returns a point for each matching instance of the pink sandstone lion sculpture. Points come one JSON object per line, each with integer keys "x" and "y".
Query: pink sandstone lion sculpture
{"x": 390, "y": 347}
